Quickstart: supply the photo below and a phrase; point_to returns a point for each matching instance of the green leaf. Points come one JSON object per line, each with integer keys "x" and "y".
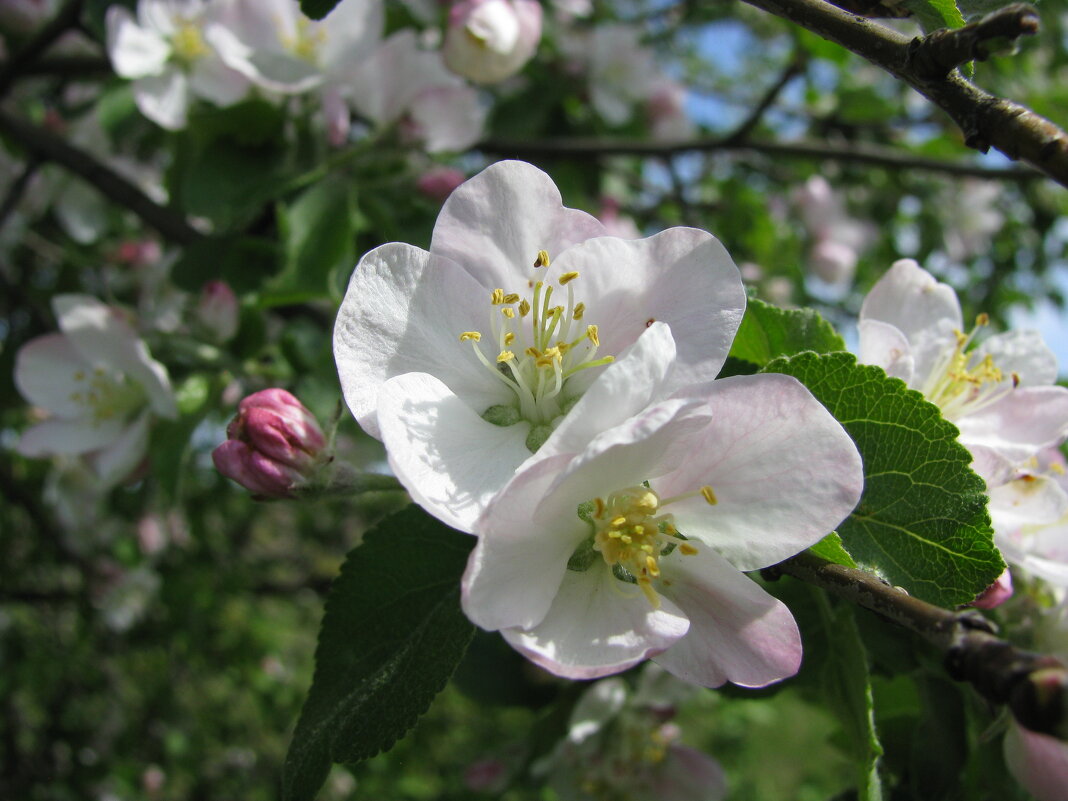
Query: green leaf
{"x": 935, "y": 14}
{"x": 392, "y": 635}
{"x": 317, "y": 9}
{"x": 831, "y": 549}
{"x": 241, "y": 261}
{"x": 768, "y": 331}
{"x": 922, "y": 522}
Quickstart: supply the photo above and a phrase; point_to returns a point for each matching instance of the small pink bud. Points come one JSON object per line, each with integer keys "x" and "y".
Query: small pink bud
{"x": 486, "y": 776}
{"x": 274, "y": 444}
{"x": 997, "y": 593}
{"x": 833, "y": 261}
{"x": 217, "y": 311}
{"x": 437, "y": 183}
{"x": 487, "y": 41}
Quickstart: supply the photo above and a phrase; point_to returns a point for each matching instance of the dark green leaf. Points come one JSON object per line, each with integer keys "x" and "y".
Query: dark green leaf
{"x": 922, "y": 522}
{"x": 317, "y": 9}
{"x": 241, "y": 261}
{"x": 392, "y": 635}
{"x": 768, "y": 331}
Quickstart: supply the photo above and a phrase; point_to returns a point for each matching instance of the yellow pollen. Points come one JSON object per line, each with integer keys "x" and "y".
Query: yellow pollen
{"x": 524, "y": 307}
{"x": 982, "y": 319}
{"x": 618, "y": 521}
{"x": 687, "y": 550}
{"x": 626, "y": 538}
{"x": 651, "y": 566}
{"x": 508, "y": 312}
{"x": 1057, "y": 467}
{"x": 511, "y": 297}
{"x": 567, "y": 278}
{"x": 533, "y": 353}
{"x": 497, "y": 297}
{"x": 598, "y": 504}
{"x": 470, "y": 336}
{"x": 509, "y": 338}
{"x": 709, "y": 495}
{"x": 505, "y": 356}
{"x": 543, "y": 259}
{"x": 580, "y": 309}
{"x": 591, "y": 335}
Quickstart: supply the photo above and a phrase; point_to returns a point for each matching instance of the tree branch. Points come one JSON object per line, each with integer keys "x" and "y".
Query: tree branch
{"x": 986, "y": 120}
{"x": 1034, "y": 686}
{"x": 935, "y": 55}
{"x": 861, "y": 154}
{"x": 46, "y": 146}
{"x": 740, "y": 134}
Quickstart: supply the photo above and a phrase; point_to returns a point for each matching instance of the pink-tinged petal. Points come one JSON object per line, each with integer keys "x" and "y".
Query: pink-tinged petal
{"x": 447, "y": 118}
{"x": 119, "y": 459}
{"x": 385, "y": 83}
{"x": 1031, "y": 500}
{"x": 682, "y": 276}
{"x": 994, "y": 468}
{"x": 783, "y": 470}
{"x": 1039, "y": 762}
{"x": 597, "y": 626}
{"x": 403, "y": 312}
{"x": 50, "y": 373}
{"x": 135, "y": 52}
{"x": 689, "y": 774}
{"x": 515, "y": 570}
{"x": 102, "y": 337}
{"x": 997, "y": 593}
{"x": 738, "y": 633}
{"x": 74, "y": 437}
{"x": 884, "y": 345}
{"x": 450, "y": 459}
{"x": 164, "y": 98}
{"x": 1023, "y": 422}
{"x": 495, "y": 223}
{"x": 488, "y": 41}
{"x": 254, "y": 471}
{"x": 625, "y": 387}
{"x": 1023, "y": 353}
{"x": 211, "y": 79}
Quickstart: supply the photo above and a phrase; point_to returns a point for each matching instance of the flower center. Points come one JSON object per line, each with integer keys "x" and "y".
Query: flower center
{"x": 307, "y": 41}
{"x": 632, "y": 536}
{"x": 539, "y": 347}
{"x": 187, "y": 44}
{"x": 107, "y": 396}
{"x": 958, "y": 386}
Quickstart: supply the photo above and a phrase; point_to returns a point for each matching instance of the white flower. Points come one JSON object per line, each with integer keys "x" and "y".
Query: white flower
{"x": 99, "y": 384}
{"x": 488, "y": 41}
{"x": 837, "y": 238}
{"x": 164, "y": 52}
{"x": 634, "y": 548}
{"x": 620, "y": 71}
{"x": 465, "y": 359}
{"x": 998, "y": 393}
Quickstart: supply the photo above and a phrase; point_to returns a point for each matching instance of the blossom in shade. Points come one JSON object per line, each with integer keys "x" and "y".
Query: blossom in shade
{"x": 667, "y": 112}
{"x": 1038, "y": 761}
{"x": 274, "y": 444}
{"x": 99, "y": 385}
{"x": 837, "y": 240}
{"x": 999, "y": 393}
{"x": 217, "y": 311}
{"x": 437, "y": 183}
{"x": 487, "y": 41}
{"x": 634, "y": 548}
{"x": 163, "y": 50}
{"x": 524, "y": 329}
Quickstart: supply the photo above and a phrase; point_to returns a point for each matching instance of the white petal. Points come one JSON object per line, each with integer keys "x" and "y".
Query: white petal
{"x": 164, "y": 98}
{"x": 783, "y": 470}
{"x": 403, "y": 312}
{"x": 450, "y": 459}
{"x": 1020, "y": 424}
{"x": 115, "y": 462}
{"x": 1024, "y": 353}
{"x": 72, "y": 437}
{"x": 49, "y": 371}
{"x": 909, "y": 298}
{"x": 682, "y": 276}
{"x": 515, "y": 570}
{"x": 738, "y": 633}
{"x": 383, "y": 85}
{"x": 1032, "y": 500}
{"x": 1038, "y": 761}
{"x": 596, "y": 707}
{"x": 135, "y": 52}
{"x": 495, "y": 223}
{"x": 214, "y": 81}
{"x": 597, "y": 626}
{"x": 447, "y": 118}
{"x": 352, "y": 30}
{"x": 884, "y": 345}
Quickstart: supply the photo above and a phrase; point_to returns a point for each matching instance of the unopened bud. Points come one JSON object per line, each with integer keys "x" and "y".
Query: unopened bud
{"x": 488, "y": 41}
{"x": 217, "y": 311}
{"x": 997, "y": 593}
{"x": 437, "y": 183}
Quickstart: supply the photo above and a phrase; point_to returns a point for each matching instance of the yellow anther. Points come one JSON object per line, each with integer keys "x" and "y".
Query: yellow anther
{"x": 709, "y": 495}
{"x": 567, "y": 278}
{"x": 511, "y": 297}
{"x": 618, "y": 521}
{"x": 505, "y": 356}
{"x": 524, "y": 307}
{"x": 639, "y": 530}
{"x": 598, "y": 507}
{"x": 580, "y": 309}
{"x": 497, "y": 297}
{"x": 509, "y": 338}
{"x": 647, "y": 547}
{"x": 687, "y": 550}
{"x": 615, "y": 535}
{"x": 543, "y": 259}
{"x": 626, "y": 539}
{"x": 982, "y": 319}
{"x": 508, "y": 312}
{"x": 1057, "y": 467}
{"x": 470, "y": 336}
{"x": 651, "y": 566}
{"x": 591, "y": 334}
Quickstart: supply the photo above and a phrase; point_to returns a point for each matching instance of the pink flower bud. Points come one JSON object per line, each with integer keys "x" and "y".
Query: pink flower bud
{"x": 488, "y": 41}
{"x": 1039, "y": 762}
{"x": 437, "y": 183}
{"x": 217, "y": 311}
{"x": 997, "y": 593}
{"x": 274, "y": 444}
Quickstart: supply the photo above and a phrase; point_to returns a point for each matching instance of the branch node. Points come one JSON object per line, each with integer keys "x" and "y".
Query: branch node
{"x": 934, "y": 56}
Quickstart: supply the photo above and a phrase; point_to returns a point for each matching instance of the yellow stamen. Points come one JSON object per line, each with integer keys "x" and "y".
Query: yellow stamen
{"x": 511, "y": 297}
{"x": 567, "y": 278}
{"x": 505, "y": 356}
{"x": 524, "y": 307}
{"x": 542, "y": 260}
{"x": 470, "y": 336}
{"x": 709, "y": 495}
{"x": 591, "y": 335}
{"x": 508, "y": 312}
{"x": 687, "y": 550}
{"x": 497, "y": 297}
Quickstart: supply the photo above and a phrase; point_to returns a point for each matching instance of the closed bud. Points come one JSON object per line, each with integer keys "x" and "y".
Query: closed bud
{"x": 217, "y": 311}
{"x": 437, "y": 183}
{"x": 488, "y": 41}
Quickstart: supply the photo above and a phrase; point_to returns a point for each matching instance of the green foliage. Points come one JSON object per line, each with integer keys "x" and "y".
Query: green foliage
{"x": 392, "y": 635}
{"x": 767, "y": 332}
{"x": 935, "y": 14}
{"x": 317, "y": 9}
{"x": 830, "y": 548}
{"x": 922, "y": 522}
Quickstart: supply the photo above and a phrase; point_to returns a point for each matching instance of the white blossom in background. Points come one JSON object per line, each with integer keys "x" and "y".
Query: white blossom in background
{"x": 837, "y": 240}
{"x": 401, "y": 82}
{"x": 467, "y": 359}
{"x": 621, "y": 744}
{"x": 634, "y": 548}
{"x": 999, "y": 392}
{"x": 666, "y": 108}
{"x": 621, "y": 73}
{"x": 488, "y": 41}
{"x": 99, "y": 385}
{"x": 164, "y": 52}
{"x": 970, "y": 217}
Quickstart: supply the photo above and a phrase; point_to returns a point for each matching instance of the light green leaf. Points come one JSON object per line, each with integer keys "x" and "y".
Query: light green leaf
{"x": 768, "y": 331}
{"x": 831, "y": 549}
{"x": 922, "y": 522}
{"x": 392, "y": 635}
{"x": 935, "y": 14}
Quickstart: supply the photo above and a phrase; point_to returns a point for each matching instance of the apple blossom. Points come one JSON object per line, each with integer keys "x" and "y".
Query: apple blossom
{"x": 487, "y": 41}
{"x": 163, "y": 50}
{"x": 667, "y": 112}
{"x": 217, "y": 311}
{"x": 1038, "y": 761}
{"x": 621, "y": 71}
{"x": 437, "y": 183}
{"x": 998, "y": 394}
{"x": 837, "y": 238}
{"x": 274, "y": 444}
{"x": 99, "y": 384}
{"x": 633, "y": 549}
{"x": 459, "y": 410}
